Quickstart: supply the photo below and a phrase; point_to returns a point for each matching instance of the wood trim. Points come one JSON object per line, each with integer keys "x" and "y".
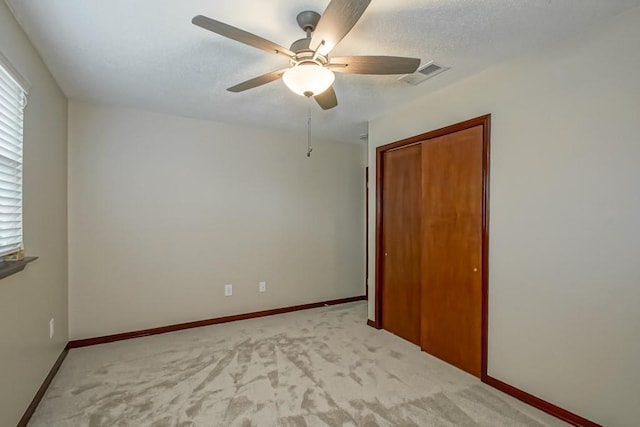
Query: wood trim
{"x": 188, "y": 325}
{"x": 484, "y": 121}
{"x": 7, "y": 268}
{"x": 31, "y": 409}
{"x": 486, "y": 147}
{"x": 373, "y": 324}
{"x": 478, "y": 121}
{"x": 366, "y": 231}
{"x": 536, "y": 402}
{"x": 379, "y": 245}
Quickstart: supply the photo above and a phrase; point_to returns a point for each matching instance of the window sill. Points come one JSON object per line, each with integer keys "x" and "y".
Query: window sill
{"x": 7, "y": 268}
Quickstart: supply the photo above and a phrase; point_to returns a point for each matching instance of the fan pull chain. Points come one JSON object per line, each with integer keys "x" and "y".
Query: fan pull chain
{"x": 309, "y": 149}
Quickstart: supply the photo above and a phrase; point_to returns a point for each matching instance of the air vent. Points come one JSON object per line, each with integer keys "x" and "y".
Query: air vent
{"x": 430, "y": 69}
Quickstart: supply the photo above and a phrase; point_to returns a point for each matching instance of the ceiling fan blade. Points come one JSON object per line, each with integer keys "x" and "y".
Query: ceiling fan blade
{"x": 337, "y": 20}
{"x": 258, "y": 81}
{"x": 241, "y": 36}
{"x": 327, "y": 99}
{"x": 374, "y": 65}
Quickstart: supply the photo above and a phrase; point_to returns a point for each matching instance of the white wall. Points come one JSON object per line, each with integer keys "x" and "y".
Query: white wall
{"x": 163, "y": 211}
{"x": 30, "y": 298}
{"x": 564, "y": 287}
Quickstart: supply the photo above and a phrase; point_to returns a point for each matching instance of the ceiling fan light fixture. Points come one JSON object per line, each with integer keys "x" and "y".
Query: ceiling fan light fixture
{"x": 308, "y": 78}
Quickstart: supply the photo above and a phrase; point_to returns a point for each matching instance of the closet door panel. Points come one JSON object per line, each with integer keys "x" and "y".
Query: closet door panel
{"x": 401, "y": 242}
{"x": 451, "y": 293}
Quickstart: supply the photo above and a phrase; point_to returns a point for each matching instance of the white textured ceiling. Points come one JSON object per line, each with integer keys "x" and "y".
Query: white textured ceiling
{"x": 147, "y": 54}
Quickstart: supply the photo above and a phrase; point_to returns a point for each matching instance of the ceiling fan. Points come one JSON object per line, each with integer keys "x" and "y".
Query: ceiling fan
{"x": 311, "y": 71}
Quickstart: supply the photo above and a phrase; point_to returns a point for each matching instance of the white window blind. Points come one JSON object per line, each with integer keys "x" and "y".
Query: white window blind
{"x": 12, "y": 102}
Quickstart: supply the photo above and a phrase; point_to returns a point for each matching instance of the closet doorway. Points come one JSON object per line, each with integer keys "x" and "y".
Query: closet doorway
{"x": 432, "y": 242}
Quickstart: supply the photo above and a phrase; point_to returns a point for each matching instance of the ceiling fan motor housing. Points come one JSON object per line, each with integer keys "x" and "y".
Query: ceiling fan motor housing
{"x": 301, "y": 45}
{"x": 304, "y": 55}
{"x": 307, "y": 20}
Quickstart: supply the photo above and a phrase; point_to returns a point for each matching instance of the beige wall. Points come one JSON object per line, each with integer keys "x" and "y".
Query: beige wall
{"x": 163, "y": 211}
{"x": 30, "y": 298}
{"x": 564, "y": 291}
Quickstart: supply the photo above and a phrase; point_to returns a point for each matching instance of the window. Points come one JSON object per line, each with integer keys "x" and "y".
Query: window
{"x": 12, "y": 102}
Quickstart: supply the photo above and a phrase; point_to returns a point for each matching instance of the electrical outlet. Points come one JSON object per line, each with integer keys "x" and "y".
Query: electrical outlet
{"x": 52, "y": 328}
{"x": 262, "y": 286}
{"x": 228, "y": 290}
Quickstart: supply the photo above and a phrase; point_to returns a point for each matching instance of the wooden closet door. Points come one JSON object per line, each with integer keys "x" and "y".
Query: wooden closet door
{"x": 451, "y": 314}
{"x": 401, "y": 242}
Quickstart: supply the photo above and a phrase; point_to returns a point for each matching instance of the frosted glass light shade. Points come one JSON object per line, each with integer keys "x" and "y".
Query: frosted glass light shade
{"x": 308, "y": 78}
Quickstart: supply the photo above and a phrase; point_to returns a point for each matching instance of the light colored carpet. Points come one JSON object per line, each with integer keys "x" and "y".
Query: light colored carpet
{"x": 321, "y": 367}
